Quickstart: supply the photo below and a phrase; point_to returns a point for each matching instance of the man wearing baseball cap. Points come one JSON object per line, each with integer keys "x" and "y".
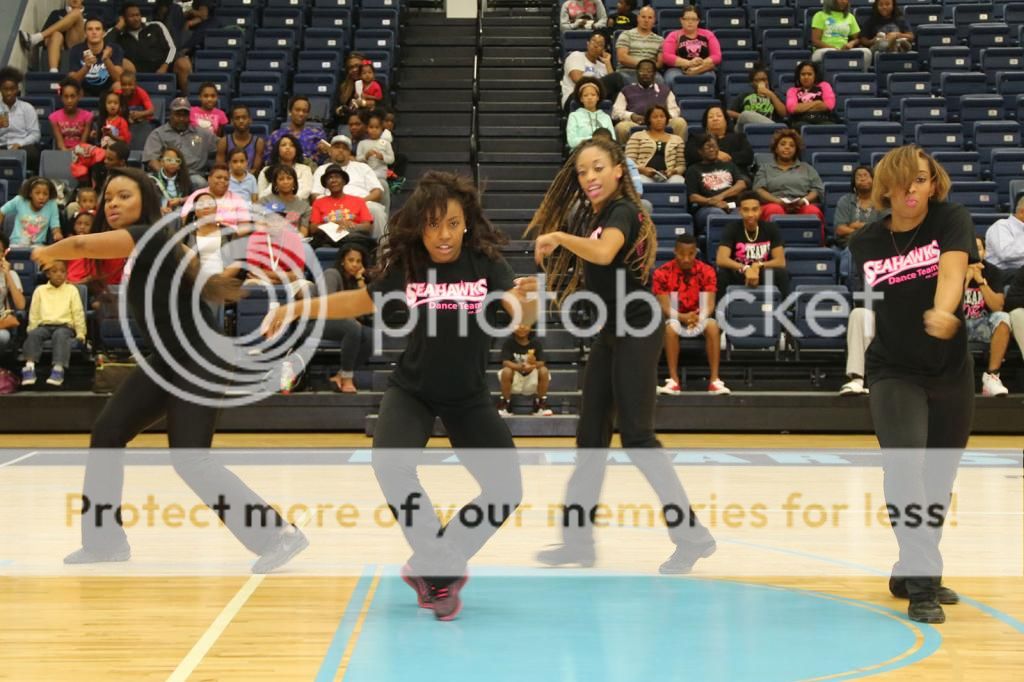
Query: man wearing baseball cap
{"x": 195, "y": 144}
{"x": 362, "y": 181}
{"x": 346, "y": 211}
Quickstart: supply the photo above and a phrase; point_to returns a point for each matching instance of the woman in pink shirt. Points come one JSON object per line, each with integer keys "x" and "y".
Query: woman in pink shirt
{"x": 70, "y": 124}
{"x": 811, "y": 101}
{"x": 691, "y": 50}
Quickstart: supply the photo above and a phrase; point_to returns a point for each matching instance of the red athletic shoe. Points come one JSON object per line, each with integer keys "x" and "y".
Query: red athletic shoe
{"x": 423, "y": 598}
{"x": 445, "y": 598}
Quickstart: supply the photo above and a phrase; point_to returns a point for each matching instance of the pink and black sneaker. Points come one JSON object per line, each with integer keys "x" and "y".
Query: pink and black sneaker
{"x": 444, "y": 596}
{"x": 423, "y": 598}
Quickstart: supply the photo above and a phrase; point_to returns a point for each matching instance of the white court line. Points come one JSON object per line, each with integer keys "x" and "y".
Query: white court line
{"x": 18, "y": 459}
{"x": 213, "y": 633}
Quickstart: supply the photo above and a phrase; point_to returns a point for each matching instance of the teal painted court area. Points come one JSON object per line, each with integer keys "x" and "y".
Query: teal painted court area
{"x": 618, "y": 629}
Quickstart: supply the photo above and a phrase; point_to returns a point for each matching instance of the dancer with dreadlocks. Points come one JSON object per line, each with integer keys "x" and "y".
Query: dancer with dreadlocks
{"x": 610, "y": 242}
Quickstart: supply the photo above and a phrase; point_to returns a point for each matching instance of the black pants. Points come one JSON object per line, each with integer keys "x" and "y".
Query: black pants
{"x": 619, "y": 383}
{"x": 406, "y": 422}
{"x": 138, "y": 403}
{"x": 921, "y": 416}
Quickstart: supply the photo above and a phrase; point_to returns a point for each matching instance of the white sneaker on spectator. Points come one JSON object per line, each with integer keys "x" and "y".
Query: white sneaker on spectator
{"x": 670, "y": 387}
{"x": 718, "y": 387}
{"x": 854, "y": 387}
{"x": 992, "y": 386}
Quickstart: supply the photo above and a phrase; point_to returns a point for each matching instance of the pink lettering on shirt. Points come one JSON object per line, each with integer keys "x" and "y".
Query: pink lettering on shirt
{"x": 447, "y": 295}
{"x": 920, "y": 262}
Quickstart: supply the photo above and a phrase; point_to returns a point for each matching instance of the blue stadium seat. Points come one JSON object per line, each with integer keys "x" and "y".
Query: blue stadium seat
{"x": 915, "y": 110}
{"x": 666, "y": 196}
{"x": 829, "y": 306}
{"x": 878, "y": 137}
{"x": 56, "y": 165}
{"x": 717, "y": 18}
{"x": 225, "y": 39}
{"x": 735, "y": 39}
{"x": 939, "y": 136}
{"x": 223, "y": 81}
{"x": 275, "y": 39}
{"x": 42, "y": 83}
{"x": 965, "y": 166}
{"x": 866, "y": 109}
{"x": 760, "y": 136}
{"x": 985, "y": 35}
{"x": 374, "y": 39}
{"x": 1007, "y": 165}
{"x": 740, "y": 61}
{"x": 835, "y": 166}
{"x": 995, "y": 59}
{"x": 975, "y": 196}
{"x": 575, "y": 41}
{"x": 785, "y": 61}
{"x": 1010, "y": 85}
{"x": 261, "y": 83}
{"x": 920, "y": 14}
{"x": 314, "y": 84}
{"x": 811, "y": 265}
{"x": 849, "y": 85}
{"x": 158, "y": 84}
{"x": 955, "y": 85}
{"x": 842, "y": 62}
{"x": 335, "y": 18}
{"x": 20, "y": 258}
{"x": 325, "y": 39}
{"x": 749, "y": 310}
{"x": 773, "y": 17}
{"x": 13, "y": 164}
{"x": 930, "y": 36}
{"x": 889, "y": 63}
{"x": 692, "y": 108}
{"x": 973, "y": 13}
{"x": 284, "y": 17}
{"x": 825, "y": 137}
{"x": 991, "y": 134}
{"x": 981, "y": 108}
{"x": 799, "y": 230}
{"x": 702, "y": 85}
{"x": 268, "y": 60}
{"x": 212, "y": 60}
{"x": 774, "y": 39}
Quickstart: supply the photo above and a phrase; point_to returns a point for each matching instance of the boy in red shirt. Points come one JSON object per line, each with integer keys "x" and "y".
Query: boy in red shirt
{"x": 686, "y": 287}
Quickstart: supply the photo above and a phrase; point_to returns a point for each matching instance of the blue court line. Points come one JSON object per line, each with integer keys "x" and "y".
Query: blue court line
{"x": 981, "y": 606}
{"x": 332, "y": 659}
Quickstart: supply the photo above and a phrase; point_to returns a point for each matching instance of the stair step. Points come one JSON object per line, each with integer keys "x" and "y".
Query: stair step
{"x": 546, "y": 51}
{"x": 438, "y": 38}
{"x": 521, "y": 107}
{"x": 517, "y": 41}
{"x": 505, "y": 74}
{"x": 490, "y": 120}
{"x": 539, "y": 96}
{"x": 550, "y": 132}
{"x": 544, "y": 60}
{"x": 518, "y": 144}
{"x": 519, "y": 157}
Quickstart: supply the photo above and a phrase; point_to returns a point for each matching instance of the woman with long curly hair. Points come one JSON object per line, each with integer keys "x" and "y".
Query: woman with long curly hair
{"x": 167, "y": 384}
{"x": 590, "y": 228}
{"x": 440, "y": 259}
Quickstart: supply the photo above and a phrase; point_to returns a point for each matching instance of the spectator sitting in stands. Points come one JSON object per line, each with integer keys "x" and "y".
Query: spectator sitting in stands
{"x": 732, "y": 146}
{"x": 64, "y": 28}
{"x": 206, "y": 237}
{"x": 70, "y": 125}
{"x": 188, "y": 28}
{"x": 285, "y": 200}
{"x": 197, "y": 145}
{"x": 375, "y": 151}
{"x": 357, "y": 126}
{"x": 363, "y": 182}
{"x": 38, "y": 218}
{"x": 639, "y": 43}
{"x": 760, "y": 106}
{"x": 855, "y": 210}
{"x": 310, "y": 139}
{"x": 354, "y": 334}
{"x": 171, "y": 180}
{"x": 622, "y": 20}
{"x": 243, "y": 138}
{"x": 788, "y": 185}
{"x": 887, "y": 30}
{"x": 275, "y": 254}
{"x": 685, "y": 287}
{"x": 372, "y": 93}
{"x": 1015, "y": 306}
{"x": 657, "y": 153}
{"x": 207, "y": 115}
{"x": 56, "y": 315}
{"x": 79, "y": 270}
{"x": 749, "y": 248}
{"x": 595, "y": 62}
{"x": 587, "y": 118}
{"x": 96, "y": 63}
{"x": 242, "y": 182}
{"x": 287, "y": 152}
{"x": 85, "y": 201}
{"x": 835, "y": 28}
{"x": 11, "y": 296}
{"x": 524, "y": 372}
{"x": 114, "y": 156}
{"x": 389, "y": 126}
{"x": 582, "y": 15}
{"x": 711, "y": 182}
{"x": 349, "y": 90}
{"x": 634, "y": 100}
{"x": 986, "y": 320}
{"x": 1004, "y": 240}
{"x": 109, "y": 125}
{"x": 148, "y": 46}
{"x": 19, "y": 124}
{"x": 691, "y": 50}
{"x": 811, "y": 101}
{"x": 232, "y": 208}
{"x": 347, "y": 212}
{"x": 135, "y": 101}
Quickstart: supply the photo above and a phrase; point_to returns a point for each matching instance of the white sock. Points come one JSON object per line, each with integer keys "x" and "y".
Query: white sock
{"x": 54, "y": 70}
{"x": 30, "y": 365}
{"x": 35, "y": 39}
{"x": 58, "y": 368}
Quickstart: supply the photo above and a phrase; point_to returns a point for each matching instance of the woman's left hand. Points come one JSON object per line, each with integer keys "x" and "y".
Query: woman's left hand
{"x": 545, "y": 246}
{"x": 524, "y": 287}
{"x": 940, "y": 324}
{"x": 43, "y": 258}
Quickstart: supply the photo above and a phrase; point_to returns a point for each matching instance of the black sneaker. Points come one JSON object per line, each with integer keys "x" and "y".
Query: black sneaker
{"x": 25, "y": 40}
{"x": 926, "y": 610}
{"x": 281, "y": 552}
{"x": 503, "y": 408}
{"x": 424, "y": 598}
{"x": 444, "y": 596}
{"x": 563, "y": 555}
{"x": 944, "y": 595}
{"x": 86, "y": 556}
{"x": 686, "y": 555}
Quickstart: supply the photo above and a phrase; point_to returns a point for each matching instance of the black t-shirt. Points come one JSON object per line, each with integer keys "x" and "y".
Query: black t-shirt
{"x": 624, "y": 216}
{"x": 747, "y": 251}
{"x": 691, "y": 48}
{"x": 97, "y": 76}
{"x": 906, "y": 274}
{"x": 152, "y": 278}
{"x": 974, "y": 301}
{"x": 516, "y": 352}
{"x": 732, "y": 143}
{"x": 872, "y": 25}
{"x": 1015, "y": 296}
{"x": 446, "y": 368}
{"x": 709, "y": 179}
